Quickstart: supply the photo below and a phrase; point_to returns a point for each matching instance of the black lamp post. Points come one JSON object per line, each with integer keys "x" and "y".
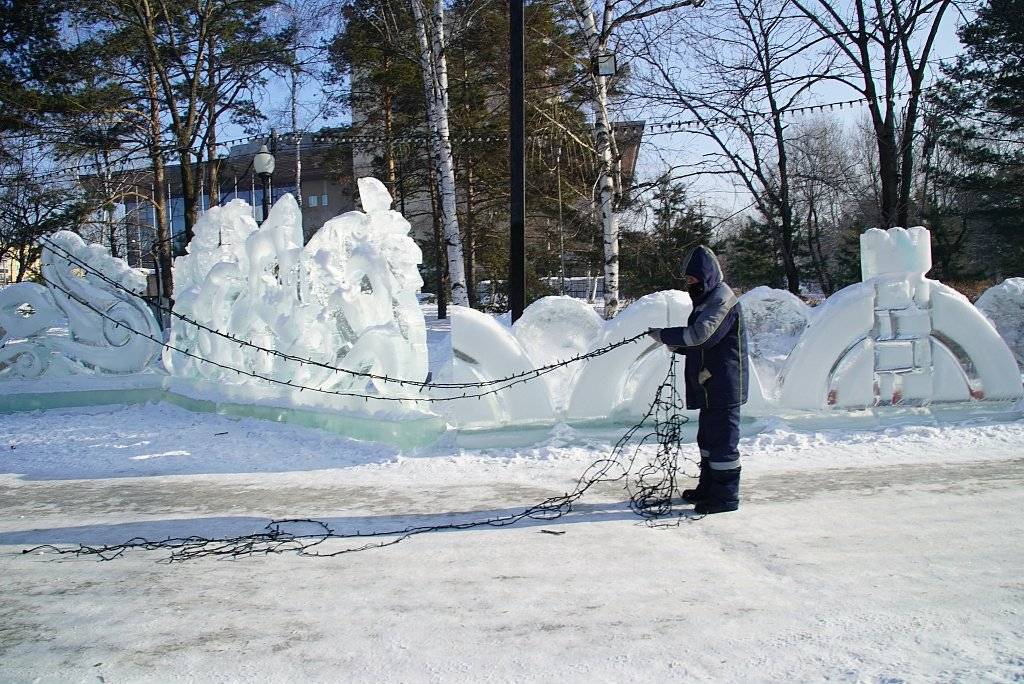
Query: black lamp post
{"x": 263, "y": 166}
{"x": 517, "y": 159}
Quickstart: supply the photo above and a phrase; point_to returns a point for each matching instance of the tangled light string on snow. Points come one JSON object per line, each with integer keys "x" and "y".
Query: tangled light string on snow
{"x": 496, "y": 384}
{"x": 651, "y": 493}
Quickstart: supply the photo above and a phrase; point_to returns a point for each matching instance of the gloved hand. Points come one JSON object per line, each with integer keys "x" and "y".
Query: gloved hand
{"x": 655, "y": 334}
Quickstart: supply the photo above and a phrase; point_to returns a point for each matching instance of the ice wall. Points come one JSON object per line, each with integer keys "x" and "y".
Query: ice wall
{"x": 77, "y": 323}
{"x": 346, "y": 299}
{"x": 618, "y": 384}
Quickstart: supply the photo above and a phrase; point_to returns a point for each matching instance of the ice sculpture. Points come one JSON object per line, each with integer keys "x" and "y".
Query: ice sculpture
{"x": 897, "y": 338}
{"x": 556, "y": 328}
{"x": 622, "y": 382}
{"x": 774, "y": 322}
{"x": 618, "y": 384}
{"x": 48, "y": 330}
{"x": 483, "y": 349}
{"x": 346, "y": 299}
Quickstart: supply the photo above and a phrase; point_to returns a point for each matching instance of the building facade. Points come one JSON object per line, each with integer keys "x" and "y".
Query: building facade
{"x": 327, "y": 182}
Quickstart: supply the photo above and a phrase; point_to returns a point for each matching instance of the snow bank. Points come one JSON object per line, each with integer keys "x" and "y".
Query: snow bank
{"x": 1003, "y": 305}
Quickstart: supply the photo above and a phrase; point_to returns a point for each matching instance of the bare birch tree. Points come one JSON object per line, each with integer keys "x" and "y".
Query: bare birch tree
{"x": 737, "y": 74}
{"x": 614, "y": 16}
{"x": 430, "y": 35}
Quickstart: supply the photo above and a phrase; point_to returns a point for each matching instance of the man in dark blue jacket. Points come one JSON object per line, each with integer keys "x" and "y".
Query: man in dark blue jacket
{"x": 715, "y": 346}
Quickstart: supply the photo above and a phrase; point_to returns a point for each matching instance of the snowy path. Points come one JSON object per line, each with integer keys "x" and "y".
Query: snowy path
{"x": 889, "y": 554}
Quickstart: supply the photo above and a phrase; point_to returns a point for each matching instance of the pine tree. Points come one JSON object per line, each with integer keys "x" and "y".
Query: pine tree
{"x": 35, "y": 70}
{"x": 651, "y": 258}
{"x": 753, "y": 257}
{"x": 982, "y": 121}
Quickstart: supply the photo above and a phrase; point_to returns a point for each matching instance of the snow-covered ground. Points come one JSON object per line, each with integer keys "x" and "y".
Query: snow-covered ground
{"x": 889, "y": 552}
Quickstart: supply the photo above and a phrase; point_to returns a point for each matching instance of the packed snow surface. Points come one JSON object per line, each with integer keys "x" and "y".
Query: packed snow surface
{"x": 1003, "y": 304}
{"x": 884, "y": 551}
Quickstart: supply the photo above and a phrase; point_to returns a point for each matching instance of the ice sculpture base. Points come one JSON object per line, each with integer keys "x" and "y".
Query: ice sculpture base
{"x": 403, "y": 428}
{"x": 406, "y": 433}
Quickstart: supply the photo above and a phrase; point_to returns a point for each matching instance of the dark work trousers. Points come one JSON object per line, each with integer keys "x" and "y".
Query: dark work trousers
{"x": 718, "y": 437}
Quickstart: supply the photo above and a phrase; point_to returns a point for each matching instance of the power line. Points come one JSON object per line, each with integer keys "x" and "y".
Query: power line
{"x": 478, "y": 137}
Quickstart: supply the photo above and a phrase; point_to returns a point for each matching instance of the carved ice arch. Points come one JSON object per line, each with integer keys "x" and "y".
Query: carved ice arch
{"x": 897, "y": 338}
{"x": 622, "y": 382}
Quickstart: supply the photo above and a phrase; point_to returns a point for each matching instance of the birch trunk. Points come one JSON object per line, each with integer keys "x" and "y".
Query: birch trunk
{"x": 433, "y": 66}
{"x": 389, "y": 145}
{"x": 606, "y": 183}
{"x": 295, "y": 129}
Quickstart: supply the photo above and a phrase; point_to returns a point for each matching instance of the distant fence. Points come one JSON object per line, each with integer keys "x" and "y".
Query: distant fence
{"x": 588, "y": 288}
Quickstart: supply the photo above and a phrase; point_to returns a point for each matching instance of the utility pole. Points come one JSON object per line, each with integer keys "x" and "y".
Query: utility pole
{"x": 517, "y": 159}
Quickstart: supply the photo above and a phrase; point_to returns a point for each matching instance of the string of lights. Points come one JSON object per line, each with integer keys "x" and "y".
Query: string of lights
{"x": 515, "y": 378}
{"x": 651, "y": 495}
{"x": 663, "y": 127}
{"x": 657, "y": 127}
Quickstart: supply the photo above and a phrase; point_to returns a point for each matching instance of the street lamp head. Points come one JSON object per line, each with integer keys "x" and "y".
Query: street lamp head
{"x": 263, "y": 162}
{"x": 605, "y": 64}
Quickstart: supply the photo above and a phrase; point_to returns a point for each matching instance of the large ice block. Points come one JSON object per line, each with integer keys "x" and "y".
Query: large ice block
{"x": 346, "y": 299}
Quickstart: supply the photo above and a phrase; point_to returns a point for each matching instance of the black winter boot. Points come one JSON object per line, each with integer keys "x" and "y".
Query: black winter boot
{"x": 692, "y": 496}
{"x": 723, "y": 492}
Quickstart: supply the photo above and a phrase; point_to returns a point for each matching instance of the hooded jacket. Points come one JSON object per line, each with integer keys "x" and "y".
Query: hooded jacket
{"x": 713, "y": 341}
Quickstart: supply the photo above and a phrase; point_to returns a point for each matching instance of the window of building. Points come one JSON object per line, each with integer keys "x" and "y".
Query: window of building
{"x": 312, "y": 200}
{"x": 323, "y": 200}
